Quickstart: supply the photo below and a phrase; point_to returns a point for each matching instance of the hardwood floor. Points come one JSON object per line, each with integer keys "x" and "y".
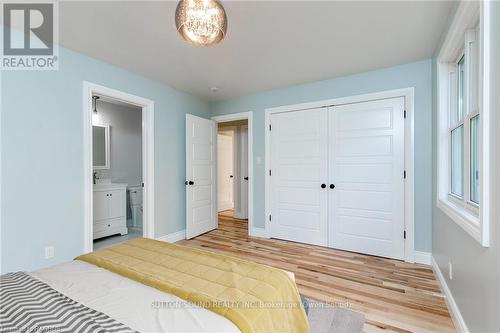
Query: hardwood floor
{"x": 394, "y": 295}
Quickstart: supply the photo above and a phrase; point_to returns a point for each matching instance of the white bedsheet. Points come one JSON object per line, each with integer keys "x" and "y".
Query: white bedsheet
{"x": 129, "y": 302}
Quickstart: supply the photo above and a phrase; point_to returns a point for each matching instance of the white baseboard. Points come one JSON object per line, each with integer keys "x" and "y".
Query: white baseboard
{"x": 173, "y": 237}
{"x": 456, "y": 316}
{"x": 422, "y": 257}
{"x": 259, "y": 232}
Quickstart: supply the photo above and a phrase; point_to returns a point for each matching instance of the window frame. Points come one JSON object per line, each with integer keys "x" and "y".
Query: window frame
{"x": 468, "y": 112}
{"x": 467, "y": 37}
{"x": 471, "y": 118}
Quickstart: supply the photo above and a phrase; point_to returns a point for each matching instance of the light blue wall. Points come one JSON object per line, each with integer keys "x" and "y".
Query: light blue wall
{"x": 476, "y": 269}
{"x": 42, "y": 156}
{"x": 418, "y": 75}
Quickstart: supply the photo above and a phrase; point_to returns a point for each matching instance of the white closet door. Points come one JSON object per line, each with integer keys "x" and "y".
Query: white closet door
{"x": 201, "y": 205}
{"x": 225, "y": 164}
{"x": 299, "y": 168}
{"x": 366, "y": 166}
{"x": 244, "y": 172}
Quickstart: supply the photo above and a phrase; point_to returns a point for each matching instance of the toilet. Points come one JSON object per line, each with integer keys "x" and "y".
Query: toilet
{"x": 135, "y": 205}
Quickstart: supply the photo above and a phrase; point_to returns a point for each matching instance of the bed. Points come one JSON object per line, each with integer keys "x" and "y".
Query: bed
{"x": 124, "y": 292}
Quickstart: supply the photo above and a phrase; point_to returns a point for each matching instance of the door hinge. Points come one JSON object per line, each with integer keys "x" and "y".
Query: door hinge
{"x": 404, "y": 114}
{"x": 270, "y": 218}
{"x": 270, "y": 127}
{"x": 404, "y": 234}
{"x": 404, "y": 174}
{"x": 269, "y": 172}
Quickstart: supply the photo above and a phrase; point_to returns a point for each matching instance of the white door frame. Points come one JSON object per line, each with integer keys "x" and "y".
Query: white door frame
{"x": 408, "y": 94}
{"x": 252, "y": 231}
{"x": 90, "y": 89}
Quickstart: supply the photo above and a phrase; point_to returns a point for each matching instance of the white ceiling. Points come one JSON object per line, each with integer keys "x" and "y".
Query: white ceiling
{"x": 268, "y": 44}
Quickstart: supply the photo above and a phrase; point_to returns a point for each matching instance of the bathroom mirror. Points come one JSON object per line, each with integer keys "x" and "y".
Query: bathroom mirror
{"x": 100, "y": 146}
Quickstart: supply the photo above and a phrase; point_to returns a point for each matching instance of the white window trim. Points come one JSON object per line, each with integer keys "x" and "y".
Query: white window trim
{"x": 472, "y": 218}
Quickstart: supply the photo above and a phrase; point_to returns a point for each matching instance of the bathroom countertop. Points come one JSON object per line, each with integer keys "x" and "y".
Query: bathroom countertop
{"x": 109, "y": 186}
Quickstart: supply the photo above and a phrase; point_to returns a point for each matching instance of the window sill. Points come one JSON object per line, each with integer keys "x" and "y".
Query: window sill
{"x": 463, "y": 217}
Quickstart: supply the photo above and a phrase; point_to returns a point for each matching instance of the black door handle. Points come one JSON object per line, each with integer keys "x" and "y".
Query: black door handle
{"x": 231, "y": 176}
{"x": 323, "y": 185}
{"x": 246, "y": 178}
{"x": 332, "y": 186}
{"x": 191, "y": 182}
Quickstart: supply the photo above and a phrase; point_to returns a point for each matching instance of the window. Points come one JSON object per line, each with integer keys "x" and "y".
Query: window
{"x": 461, "y": 89}
{"x": 464, "y": 126}
{"x": 457, "y": 91}
{"x": 457, "y": 161}
{"x": 463, "y": 109}
{"x": 474, "y": 160}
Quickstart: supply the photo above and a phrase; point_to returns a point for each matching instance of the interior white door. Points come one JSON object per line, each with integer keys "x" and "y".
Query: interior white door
{"x": 366, "y": 167}
{"x": 225, "y": 173}
{"x": 201, "y": 210}
{"x": 243, "y": 154}
{"x": 298, "y": 196}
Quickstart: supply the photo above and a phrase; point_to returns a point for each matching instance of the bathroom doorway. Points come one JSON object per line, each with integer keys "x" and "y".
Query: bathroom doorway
{"x": 119, "y": 167}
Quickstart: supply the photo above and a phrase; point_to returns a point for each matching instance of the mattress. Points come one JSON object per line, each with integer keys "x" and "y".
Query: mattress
{"x": 135, "y": 305}
{"x": 255, "y": 297}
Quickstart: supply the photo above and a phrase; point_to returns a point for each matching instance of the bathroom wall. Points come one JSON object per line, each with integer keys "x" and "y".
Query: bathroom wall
{"x": 125, "y": 141}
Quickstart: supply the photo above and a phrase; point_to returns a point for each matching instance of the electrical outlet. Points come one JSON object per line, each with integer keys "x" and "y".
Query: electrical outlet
{"x": 450, "y": 270}
{"x": 49, "y": 252}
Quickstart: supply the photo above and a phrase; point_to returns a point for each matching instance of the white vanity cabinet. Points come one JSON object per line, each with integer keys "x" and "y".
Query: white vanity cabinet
{"x": 110, "y": 210}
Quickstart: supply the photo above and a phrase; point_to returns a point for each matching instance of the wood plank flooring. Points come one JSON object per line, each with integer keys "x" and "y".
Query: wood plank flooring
{"x": 394, "y": 295}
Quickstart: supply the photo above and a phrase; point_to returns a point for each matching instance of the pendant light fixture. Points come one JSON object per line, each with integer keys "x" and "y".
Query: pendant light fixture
{"x": 201, "y": 22}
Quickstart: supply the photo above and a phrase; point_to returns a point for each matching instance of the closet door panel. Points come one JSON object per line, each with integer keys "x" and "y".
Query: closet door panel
{"x": 244, "y": 172}
{"x": 299, "y": 167}
{"x": 366, "y": 164}
{"x": 225, "y": 164}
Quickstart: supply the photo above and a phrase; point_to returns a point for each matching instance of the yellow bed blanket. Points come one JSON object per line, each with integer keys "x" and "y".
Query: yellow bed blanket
{"x": 255, "y": 297}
